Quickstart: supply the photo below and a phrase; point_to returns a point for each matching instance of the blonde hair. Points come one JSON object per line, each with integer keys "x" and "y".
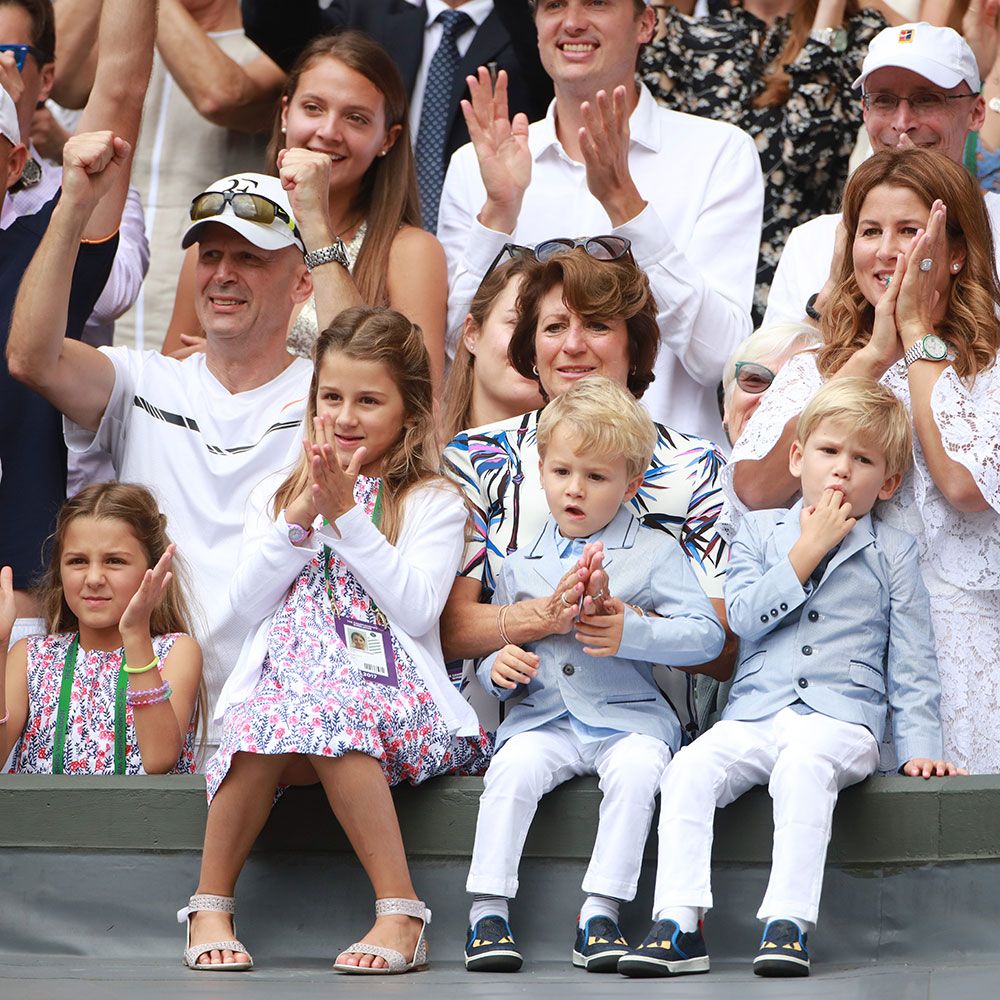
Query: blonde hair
{"x": 873, "y": 412}
{"x": 135, "y": 507}
{"x": 389, "y": 339}
{"x": 605, "y": 419}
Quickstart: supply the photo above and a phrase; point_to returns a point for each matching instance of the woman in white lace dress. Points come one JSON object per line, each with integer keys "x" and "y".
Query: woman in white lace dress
{"x": 342, "y": 132}
{"x": 920, "y": 274}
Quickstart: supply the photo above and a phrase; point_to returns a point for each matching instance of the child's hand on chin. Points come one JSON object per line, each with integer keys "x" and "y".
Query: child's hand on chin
{"x": 924, "y": 767}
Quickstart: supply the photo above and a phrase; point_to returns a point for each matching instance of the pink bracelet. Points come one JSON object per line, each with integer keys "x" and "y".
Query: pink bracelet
{"x": 5, "y": 718}
{"x": 152, "y": 696}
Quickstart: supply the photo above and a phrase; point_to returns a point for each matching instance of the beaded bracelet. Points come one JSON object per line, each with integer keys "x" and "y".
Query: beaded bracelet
{"x": 153, "y": 696}
{"x": 142, "y": 670}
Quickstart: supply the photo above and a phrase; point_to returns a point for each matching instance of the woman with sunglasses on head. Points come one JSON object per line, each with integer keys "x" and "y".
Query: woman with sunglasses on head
{"x": 578, "y": 315}
{"x": 915, "y": 306}
{"x": 752, "y": 367}
{"x": 341, "y": 146}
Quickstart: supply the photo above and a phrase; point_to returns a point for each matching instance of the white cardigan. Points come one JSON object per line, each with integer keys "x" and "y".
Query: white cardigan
{"x": 409, "y": 581}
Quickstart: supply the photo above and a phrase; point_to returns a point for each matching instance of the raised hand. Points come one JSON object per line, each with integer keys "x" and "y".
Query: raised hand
{"x": 8, "y": 610}
{"x": 135, "y": 618}
{"x": 513, "y": 666}
{"x": 92, "y": 162}
{"x": 884, "y": 345}
{"x": 604, "y": 145}
{"x": 332, "y": 484}
{"x": 305, "y": 175}
{"x": 558, "y": 612}
{"x": 597, "y": 598}
{"x": 10, "y": 78}
{"x": 979, "y": 26}
{"x": 917, "y": 305}
{"x": 501, "y": 146}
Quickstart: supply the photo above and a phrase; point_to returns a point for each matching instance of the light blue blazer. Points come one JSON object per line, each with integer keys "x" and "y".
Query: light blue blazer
{"x": 848, "y": 646}
{"x": 646, "y": 568}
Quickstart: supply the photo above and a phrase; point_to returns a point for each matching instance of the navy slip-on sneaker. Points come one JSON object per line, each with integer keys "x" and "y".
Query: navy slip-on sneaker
{"x": 490, "y": 946}
{"x": 783, "y": 951}
{"x": 666, "y": 951}
{"x": 599, "y": 945}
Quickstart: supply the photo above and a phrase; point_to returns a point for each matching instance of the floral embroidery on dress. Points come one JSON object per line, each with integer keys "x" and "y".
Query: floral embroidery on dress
{"x": 312, "y": 699}
{"x": 90, "y": 732}
{"x": 714, "y": 67}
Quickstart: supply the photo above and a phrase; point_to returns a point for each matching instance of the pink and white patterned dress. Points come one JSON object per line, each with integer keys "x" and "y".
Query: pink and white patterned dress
{"x": 311, "y": 699}
{"x": 90, "y": 732}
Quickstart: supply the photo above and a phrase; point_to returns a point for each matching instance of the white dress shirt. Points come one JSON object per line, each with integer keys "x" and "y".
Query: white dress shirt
{"x": 697, "y": 239}
{"x": 478, "y": 10}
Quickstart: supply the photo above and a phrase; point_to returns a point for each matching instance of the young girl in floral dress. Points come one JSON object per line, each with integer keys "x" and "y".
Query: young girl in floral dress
{"x": 362, "y": 538}
{"x": 114, "y": 686}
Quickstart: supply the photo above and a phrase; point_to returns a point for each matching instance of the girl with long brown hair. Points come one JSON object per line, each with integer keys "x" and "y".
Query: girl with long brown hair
{"x": 361, "y": 538}
{"x": 115, "y": 686}
{"x": 342, "y": 147}
{"x": 916, "y": 307}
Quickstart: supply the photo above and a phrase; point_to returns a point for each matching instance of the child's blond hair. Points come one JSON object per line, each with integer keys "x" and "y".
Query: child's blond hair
{"x": 605, "y": 419}
{"x": 873, "y": 412}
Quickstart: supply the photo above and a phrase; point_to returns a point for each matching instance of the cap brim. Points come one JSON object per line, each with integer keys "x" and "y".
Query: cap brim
{"x": 265, "y": 237}
{"x": 939, "y": 75}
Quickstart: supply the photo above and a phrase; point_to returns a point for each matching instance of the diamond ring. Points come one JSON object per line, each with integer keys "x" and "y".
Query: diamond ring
{"x": 926, "y": 264}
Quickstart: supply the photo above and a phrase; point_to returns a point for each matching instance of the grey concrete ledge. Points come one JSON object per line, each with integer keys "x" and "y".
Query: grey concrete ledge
{"x": 885, "y": 821}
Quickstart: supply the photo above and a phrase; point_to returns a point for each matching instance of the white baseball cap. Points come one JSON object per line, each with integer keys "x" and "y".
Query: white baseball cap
{"x": 238, "y": 213}
{"x": 940, "y": 55}
{"x": 8, "y": 118}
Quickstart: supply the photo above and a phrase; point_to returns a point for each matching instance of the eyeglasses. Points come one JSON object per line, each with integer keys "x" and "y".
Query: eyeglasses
{"x": 598, "y": 247}
{"x": 752, "y": 377}
{"x": 246, "y": 205}
{"x": 21, "y": 53}
{"x": 923, "y": 104}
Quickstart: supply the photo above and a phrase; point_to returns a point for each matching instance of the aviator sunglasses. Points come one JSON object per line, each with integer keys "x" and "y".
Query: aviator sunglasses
{"x": 598, "y": 247}
{"x": 245, "y": 205}
{"x": 752, "y": 377}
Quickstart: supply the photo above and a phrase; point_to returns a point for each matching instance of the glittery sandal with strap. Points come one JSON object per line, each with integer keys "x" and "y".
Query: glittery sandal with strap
{"x": 218, "y": 904}
{"x": 397, "y": 961}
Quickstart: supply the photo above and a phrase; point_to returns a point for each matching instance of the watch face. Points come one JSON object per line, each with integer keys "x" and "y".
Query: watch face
{"x": 839, "y": 40}
{"x": 934, "y": 347}
{"x": 297, "y": 534}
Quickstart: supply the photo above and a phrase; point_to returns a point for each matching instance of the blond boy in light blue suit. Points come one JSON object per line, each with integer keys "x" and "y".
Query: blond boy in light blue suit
{"x": 834, "y": 628}
{"x": 588, "y": 702}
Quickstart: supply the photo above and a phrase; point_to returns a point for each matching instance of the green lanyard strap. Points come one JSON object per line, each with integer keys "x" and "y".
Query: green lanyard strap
{"x": 62, "y": 714}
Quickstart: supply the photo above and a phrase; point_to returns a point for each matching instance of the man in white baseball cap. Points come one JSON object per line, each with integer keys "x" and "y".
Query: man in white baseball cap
{"x": 12, "y": 152}
{"x": 920, "y": 87}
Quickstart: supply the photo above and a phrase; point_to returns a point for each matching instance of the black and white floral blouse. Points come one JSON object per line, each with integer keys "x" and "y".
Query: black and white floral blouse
{"x": 714, "y": 67}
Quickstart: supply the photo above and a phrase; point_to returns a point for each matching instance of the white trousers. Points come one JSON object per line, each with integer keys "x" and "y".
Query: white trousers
{"x": 804, "y": 759}
{"x": 530, "y": 764}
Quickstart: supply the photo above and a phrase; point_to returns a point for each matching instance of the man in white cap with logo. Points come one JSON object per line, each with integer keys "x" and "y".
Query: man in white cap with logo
{"x": 202, "y": 432}
{"x": 920, "y": 88}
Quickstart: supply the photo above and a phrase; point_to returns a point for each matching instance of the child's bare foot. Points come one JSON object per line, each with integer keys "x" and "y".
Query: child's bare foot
{"x": 208, "y": 925}
{"x": 397, "y": 932}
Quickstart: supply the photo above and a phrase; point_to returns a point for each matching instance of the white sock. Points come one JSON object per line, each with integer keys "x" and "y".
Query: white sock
{"x": 803, "y": 925}
{"x": 599, "y": 906}
{"x": 487, "y": 906}
{"x": 686, "y": 917}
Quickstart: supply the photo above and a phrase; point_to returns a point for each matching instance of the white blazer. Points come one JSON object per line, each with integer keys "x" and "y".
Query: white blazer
{"x": 410, "y": 581}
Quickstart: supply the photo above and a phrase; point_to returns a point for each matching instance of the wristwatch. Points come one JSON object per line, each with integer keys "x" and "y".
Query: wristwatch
{"x": 832, "y": 38}
{"x": 335, "y": 253}
{"x": 929, "y": 348}
{"x": 297, "y": 534}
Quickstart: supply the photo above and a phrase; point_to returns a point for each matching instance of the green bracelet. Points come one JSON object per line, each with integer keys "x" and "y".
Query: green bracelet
{"x": 141, "y": 670}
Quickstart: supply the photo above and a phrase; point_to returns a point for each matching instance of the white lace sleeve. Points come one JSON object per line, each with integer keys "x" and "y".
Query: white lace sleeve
{"x": 788, "y": 395}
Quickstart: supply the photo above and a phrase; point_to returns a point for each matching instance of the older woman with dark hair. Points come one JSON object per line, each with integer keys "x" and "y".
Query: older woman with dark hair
{"x": 578, "y": 316}
{"x": 915, "y": 307}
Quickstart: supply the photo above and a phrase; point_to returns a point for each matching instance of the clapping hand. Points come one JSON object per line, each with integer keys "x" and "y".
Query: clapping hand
{"x": 918, "y": 295}
{"x": 135, "y": 618}
{"x": 332, "y": 485}
{"x": 501, "y": 146}
{"x": 597, "y": 597}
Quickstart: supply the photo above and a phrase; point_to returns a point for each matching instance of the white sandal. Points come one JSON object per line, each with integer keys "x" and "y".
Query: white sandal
{"x": 397, "y": 961}
{"x": 218, "y": 904}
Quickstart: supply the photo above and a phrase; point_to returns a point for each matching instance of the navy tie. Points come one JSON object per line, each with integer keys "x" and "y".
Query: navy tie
{"x": 435, "y": 114}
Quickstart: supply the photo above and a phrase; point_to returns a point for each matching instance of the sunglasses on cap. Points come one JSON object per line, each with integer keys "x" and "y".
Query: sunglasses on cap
{"x": 752, "y": 377}
{"x": 598, "y": 247}
{"x": 245, "y": 205}
{"x": 21, "y": 53}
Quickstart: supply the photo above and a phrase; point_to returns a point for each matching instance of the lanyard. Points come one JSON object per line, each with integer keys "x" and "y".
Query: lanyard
{"x": 377, "y": 521}
{"x": 62, "y": 715}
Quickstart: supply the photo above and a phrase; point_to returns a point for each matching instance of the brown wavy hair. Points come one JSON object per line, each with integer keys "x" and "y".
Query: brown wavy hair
{"x": 136, "y": 507}
{"x": 593, "y": 289}
{"x": 970, "y": 324}
{"x": 390, "y": 339}
{"x": 388, "y": 198}
{"x": 457, "y": 397}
